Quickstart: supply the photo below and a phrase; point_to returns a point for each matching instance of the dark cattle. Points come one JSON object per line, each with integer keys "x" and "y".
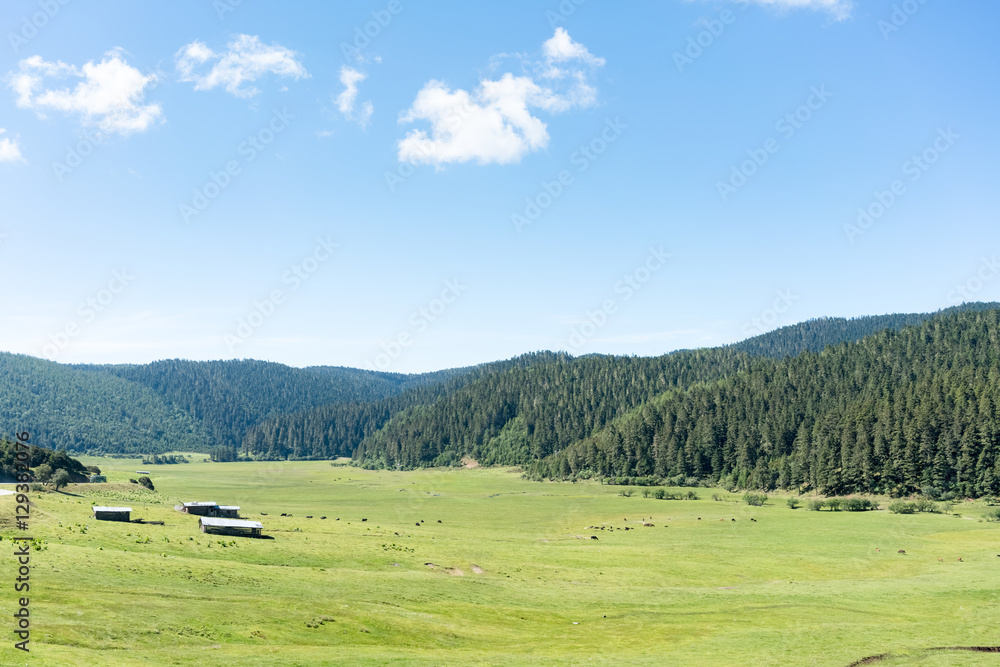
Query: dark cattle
{"x": 322, "y": 517}
{"x": 901, "y": 552}
{"x": 734, "y": 519}
{"x": 418, "y": 524}
{"x": 364, "y": 519}
{"x": 754, "y": 520}
{"x": 593, "y": 537}
{"x": 338, "y": 518}
{"x": 309, "y": 516}
{"x": 699, "y": 519}
{"x": 439, "y": 520}
{"x": 283, "y": 514}
{"x": 263, "y": 513}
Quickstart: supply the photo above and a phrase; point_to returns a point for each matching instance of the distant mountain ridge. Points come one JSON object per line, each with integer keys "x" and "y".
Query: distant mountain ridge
{"x": 512, "y": 411}
{"x": 815, "y": 335}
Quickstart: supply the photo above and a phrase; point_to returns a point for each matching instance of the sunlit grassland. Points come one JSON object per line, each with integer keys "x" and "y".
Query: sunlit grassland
{"x": 696, "y": 588}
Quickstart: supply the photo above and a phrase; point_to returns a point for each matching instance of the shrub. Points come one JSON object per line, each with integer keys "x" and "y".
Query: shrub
{"x": 146, "y": 482}
{"x": 691, "y": 495}
{"x": 992, "y": 515}
{"x": 645, "y": 493}
{"x": 716, "y": 497}
{"x": 816, "y": 505}
{"x": 792, "y": 503}
{"x": 625, "y": 492}
{"x": 833, "y": 504}
{"x": 925, "y": 505}
{"x": 659, "y": 494}
{"x": 859, "y": 505}
{"x": 900, "y": 507}
{"x": 755, "y": 499}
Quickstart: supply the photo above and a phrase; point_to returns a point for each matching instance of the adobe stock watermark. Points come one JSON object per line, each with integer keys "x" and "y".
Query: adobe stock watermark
{"x": 420, "y": 321}
{"x": 30, "y": 25}
{"x": 363, "y": 35}
{"x": 966, "y": 292}
{"x": 900, "y": 16}
{"x": 223, "y": 7}
{"x": 87, "y": 311}
{"x": 787, "y": 126}
{"x": 581, "y": 158}
{"x": 561, "y": 13}
{"x": 883, "y": 200}
{"x": 699, "y": 43}
{"x": 75, "y": 155}
{"x": 248, "y": 150}
{"x": 769, "y": 316}
{"x": 631, "y": 282}
{"x": 264, "y": 309}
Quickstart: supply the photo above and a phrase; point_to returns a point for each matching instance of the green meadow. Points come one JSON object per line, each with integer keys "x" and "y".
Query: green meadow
{"x": 499, "y": 571}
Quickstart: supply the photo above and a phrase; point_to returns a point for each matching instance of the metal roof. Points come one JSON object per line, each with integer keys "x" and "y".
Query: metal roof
{"x": 201, "y": 504}
{"x": 230, "y": 523}
{"x": 229, "y": 507}
{"x": 112, "y": 509}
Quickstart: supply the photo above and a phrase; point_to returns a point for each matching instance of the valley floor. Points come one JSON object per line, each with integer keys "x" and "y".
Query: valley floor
{"x": 476, "y": 566}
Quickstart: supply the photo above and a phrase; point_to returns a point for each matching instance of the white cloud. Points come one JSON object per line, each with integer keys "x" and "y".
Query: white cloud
{"x": 561, "y": 48}
{"x": 245, "y": 60}
{"x": 351, "y": 77}
{"x": 10, "y": 151}
{"x": 840, "y": 9}
{"x": 495, "y": 122}
{"x": 108, "y": 94}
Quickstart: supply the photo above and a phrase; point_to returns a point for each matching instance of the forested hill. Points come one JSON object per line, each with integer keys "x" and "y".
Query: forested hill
{"x": 897, "y": 412}
{"x": 816, "y": 335}
{"x": 228, "y": 397}
{"x": 339, "y": 429}
{"x": 529, "y": 412}
{"x": 173, "y": 405}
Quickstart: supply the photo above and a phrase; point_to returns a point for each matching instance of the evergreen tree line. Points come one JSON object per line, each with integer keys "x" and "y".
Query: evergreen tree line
{"x": 895, "y": 413}
{"x": 817, "y": 334}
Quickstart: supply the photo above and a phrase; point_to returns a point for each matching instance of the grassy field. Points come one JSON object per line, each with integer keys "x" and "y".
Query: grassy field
{"x": 509, "y": 576}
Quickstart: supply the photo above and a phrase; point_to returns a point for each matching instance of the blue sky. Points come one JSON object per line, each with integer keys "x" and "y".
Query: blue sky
{"x": 230, "y": 179}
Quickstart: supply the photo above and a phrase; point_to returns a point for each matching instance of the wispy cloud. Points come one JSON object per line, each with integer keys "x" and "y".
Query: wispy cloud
{"x": 109, "y": 94}
{"x": 840, "y": 9}
{"x": 245, "y": 60}
{"x": 351, "y": 77}
{"x": 495, "y": 122}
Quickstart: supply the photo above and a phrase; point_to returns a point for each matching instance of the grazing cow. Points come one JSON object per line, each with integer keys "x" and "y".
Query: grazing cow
{"x": 699, "y": 519}
{"x": 439, "y": 520}
{"x": 754, "y": 520}
{"x": 263, "y": 513}
{"x": 940, "y": 560}
{"x": 418, "y": 524}
{"x": 734, "y": 519}
{"x": 960, "y": 559}
{"x": 593, "y": 537}
{"x": 283, "y": 514}
{"x": 901, "y": 552}
{"x": 322, "y": 517}
{"x": 338, "y": 518}
{"x": 309, "y": 516}
{"x": 364, "y": 519}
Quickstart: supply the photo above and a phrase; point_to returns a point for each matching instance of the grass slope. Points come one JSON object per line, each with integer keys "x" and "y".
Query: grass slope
{"x": 792, "y": 588}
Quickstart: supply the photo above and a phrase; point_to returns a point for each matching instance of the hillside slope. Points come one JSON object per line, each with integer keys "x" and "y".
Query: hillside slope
{"x": 897, "y": 412}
